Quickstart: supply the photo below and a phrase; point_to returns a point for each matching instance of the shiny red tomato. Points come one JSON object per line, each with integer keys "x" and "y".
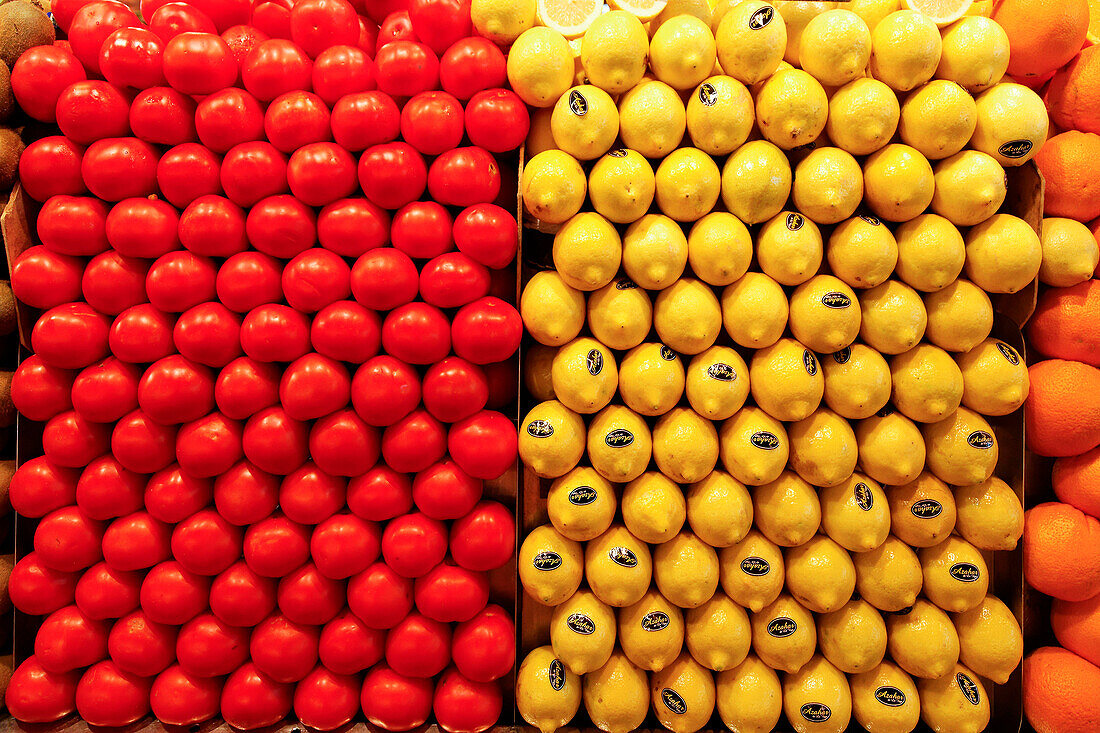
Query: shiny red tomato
{"x": 380, "y": 494}
{"x": 187, "y": 172}
{"x": 224, "y": 13}
{"x": 464, "y": 706}
{"x": 133, "y": 57}
{"x": 242, "y": 40}
{"x": 281, "y": 226}
{"x": 105, "y": 593}
{"x": 383, "y": 279}
{"x": 248, "y": 280}
{"x": 172, "y": 595}
{"x": 242, "y": 598}
{"x": 69, "y": 640}
{"x": 345, "y": 545}
{"x": 93, "y": 110}
{"x": 73, "y": 225}
{"x": 276, "y": 546}
{"x": 209, "y": 446}
{"x": 70, "y": 440}
{"x": 414, "y": 442}
{"x": 208, "y": 647}
{"x": 90, "y": 27}
{"x": 464, "y": 177}
{"x": 397, "y": 26}
{"x": 179, "y": 698}
{"x": 142, "y": 445}
{"x": 316, "y": 25}
{"x": 347, "y": 646}
{"x": 314, "y": 279}
{"x": 440, "y": 23}
{"x": 176, "y": 390}
{"x": 180, "y": 280}
{"x": 346, "y": 331}
{"x": 379, "y": 597}
{"x": 136, "y": 541}
{"x": 297, "y": 119}
{"x": 275, "y": 442}
{"x": 71, "y": 336}
{"x": 107, "y": 696}
{"x": 392, "y": 174}
{"x": 107, "y": 490}
{"x": 307, "y": 597}
{"x": 40, "y": 391}
{"x": 351, "y": 227}
{"x": 362, "y": 120}
{"x": 377, "y": 10}
{"x": 418, "y": 646}
{"x": 417, "y": 333}
{"x": 244, "y": 494}
{"x": 276, "y": 67}
{"x": 275, "y": 333}
{"x": 422, "y": 229}
{"x": 450, "y": 593}
{"x": 246, "y": 386}
{"x": 321, "y": 173}
{"x": 324, "y": 700}
{"x": 310, "y": 496}
{"x": 484, "y": 445}
{"x": 51, "y": 167}
{"x": 340, "y": 71}
{"x": 38, "y": 487}
{"x": 142, "y": 335}
{"x": 394, "y": 702}
{"x": 314, "y": 386}
{"x": 497, "y": 120}
{"x": 37, "y": 590}
{"x": 42, "y": 278}
{"x": 252, "y": 171}
{"x": 484, "y": 647}
{"x": 485, "y": 538}
{"x": 444, "y": 491}
{"x": 163, "y": 116}
{"x": 37, "y": 696}
{"x": 471, "y": 65}
{"x": 199, "y": 63}
{"x": 454, "y": 389}
{"x": 432, "y": 122}
{"x": 283, "y": 650}
{"x": 273, "y": 18}
{"x": 67, "y": 540}
{"x": 487, "y": 330}
{"x": 251, "y": 699}
{"x": 113, "y": 283}
{"x": 228, "y": 118}
{"x": 206, "y": 544}
{"x": 343, "y": 444}
{"x": 406, "y": 68}
{"x": 452, "y": 280}
{"x": 209, "y": 334}
{"x": 40, "y": 76}
{"x": 172, "y": 495}
{"x": 120, "y": 168}
{"x": 414, "y": 544}
{"x": 143, "y": 227}
{"x": 171, "y": 19}
{"x": 142, "y": 647}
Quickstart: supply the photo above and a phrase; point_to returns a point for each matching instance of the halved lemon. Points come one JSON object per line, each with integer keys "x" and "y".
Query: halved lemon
{"x": 941, "y": 12}
{"x": 570, "y": 18}
{"x": 646, "y": 10}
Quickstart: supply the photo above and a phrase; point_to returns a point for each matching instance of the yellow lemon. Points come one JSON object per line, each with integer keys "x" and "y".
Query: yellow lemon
{"x": 862, "y": 252}
{"x": 855, "y": 514}
{"x": 787, "y": 510}
{"x": 853, "y": 637}
{"x": 536, "y": 372}
{"x": 682, "y": 695}
{"x": 621, "y": 186}
{"x": 905, "y": 50}
{"x": 1070, "y": 254}
{"x": 786, "y": 381}
{"x": 619, "y": 444}
{"x": 797, "y": 15}
{"x": 828, "y": 185}
{"x": 685, "y": 446}
{"x": 817, "y": 698}
{"x": 753, "y": 446}
{"x": 891, "y": 447}
{"x": 620, "y": 314}
{"x": 791, "y": 108}
{"x": 1003, "y": 254}
{"x": 789, "y": 248}
{"x": 938, "y": 119}
{"x": 863, "y": 116}
{"x": 990, "y": 640}
{"x": 990, "y": 515}
{"x": 552, "y": 440}
{"x": 888, "y": 577}
{"x": 717, "y": 383}
{"x": 975, "y": 53}
{"x": 928, "y": 384}
{"x": 857, "y": 381}
{"x": 553, "y": 312}
{"x": 750, "y": 698}
{"x": 654, "y": 508}
{"x": 614, "y": 50}
{"x": 783, "y": 634}
{"x": 1012, "y": 123}
{"x": 931, "y": 252}
{"x": 955, "y": 575}
{"x": 550, "y": 565}
{"x": 719, "y": 248}
{"x": 897, "y": 182}
{"x": 548, "y": 695}
{"x": 718, "y": 634}
{"x": 553, "y": 186}
{"x": 719, "y": 509}
{"x": 820, "y": 574}
{"x": 652, "y": 119}
{"x": 655, "y": 251}
{"x": 873, "y": 11}
{"x": 751, "y": 39}
{"x": 581, "y": 504}
{"x": 970, "y": 188}
{"x": 571, "y": 19}
{"x": 995, "y": 379}
{"x": 885, "y": 699}
{"x": 618, "y": 567}
{"x": 751, "y": 571}
{"x": 644, "y": 10}
{"x": 823, "y": 448}
{"x": 651, "y": 379}
{"x": 922, "y": 640}
{"x": 955, "y": 701}
{"x": 585, "y": 376}
{"x": 894, "y": 318}
{"x": 502, "y": 22}
{"x": 701, "y": 9}
{"x": 616, "y": 695}
{"x": 682, "y": 52}
{"x": 587, "y": 251}
{"x": 688, "y": 184}
{"x": 582, "y": 632}
{"x": 825, "y": 314}
{"x": 720, "y": 115}
{"x": 585, "y": 122}
{"x": 756, "y": 179}
{"x": 686, "y": 570}
{"x": 540, "y": 66}
{"x": 651, "y": 631}
{"x": 835, "y": 47}
{"x": 959, "y": 317}
{"x": 687, "y": 316}
{"x": 754, "y": 310}
{"x": 922, "y": 512}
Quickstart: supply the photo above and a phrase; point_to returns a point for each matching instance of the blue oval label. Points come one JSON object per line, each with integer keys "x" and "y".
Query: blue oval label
{"x": 795, "y": 222}
{"x": 835, "y": 300}
{"x": 623, "y": 556}
{"x": 594, "y": 362}
{"x": 980, "y": 439}
{"x": 865, "y": 499}
{"x": 842, "y": 356}
{"x": 926, "y": 509}
{"x": 582, "y": 496}
{"x": 577, "y": 103}
{"x": 810, "y": 361}
{"x": 708, "y": 95}
{"x": 722, "y": 372}
{"x": 556, "y": 673}
{"x": 581, "y": 624}
{"x": 668, "y": 354}
{"x": 656, "y": 621}
{"x": 1015, "y": 148}
{"x": 540, "y": 429}
{"x": 1008, "y": 353}
{"x": 782, "y": 627}
{"x": 969, "y": 688}
{"x": 755, "y": 566}
{"x": 546, "y": 560}
{"x": 673, "y": 701}
{"x": 764, "y": 440}
{"x": 815, "y": 712}
{"x": 619, "y": 438}
{"x": 890, "y": 696}
{"x": 965, "y": 572}
{"x": 761, "y": 18}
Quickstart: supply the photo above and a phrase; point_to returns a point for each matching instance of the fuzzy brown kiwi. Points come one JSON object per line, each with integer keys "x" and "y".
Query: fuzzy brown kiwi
{"x": 7, "y": 470}
{"x": 6, "y": 666}
{"x": 7, "y": 97}
{"x": 22, "y": 26}
{"x": 7, "y": 409}
{"x": 8, "y": 321}
{"x": 7, "y": 562}
{"x": 11, "y": 147}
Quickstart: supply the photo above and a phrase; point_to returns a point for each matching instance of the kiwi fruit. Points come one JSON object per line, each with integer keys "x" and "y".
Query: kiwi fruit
{"x": 7, "y": 409}
{"x": 7, "y": 97}
{"x": 7, "y": 562}
{"x": 22, "y": 26}
{"x": 7, "y": 470}
{"x": 6, "y": 665}
{"x": 8, "y": 322}
{"x": 11, "y": 147}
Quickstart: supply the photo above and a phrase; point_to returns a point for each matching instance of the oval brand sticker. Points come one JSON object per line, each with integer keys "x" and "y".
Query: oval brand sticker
{"x": 582, "y": 496}
{"x": 842, "y": 356}
{"x": 655, "y": 621}
{"x": 594, "y": 362}
{"x": 965, "y": 572}
{"x": 667, "y": 354}
{"x": 795, "y": 222}
{"x": 547, "y": 560}
{"x": 708, "y": 95}
{"x": 578, "y": 104}
{"x": 782, "y": 627}
{"x": 764, "y": 440}
{"x": 1009, "y": 353}
{"x": 625, "y": 284}
{"x": 890, "y": 696}
{"x": 540, "y": 429}
{"x": 623, "y": 557}
{"x": 618, "y": 153}
{"x": 1013, "y": 148}
{"x": 673, "y": 701}
{"x": 757, "y": 567}
{"x": 835, "y": 300}
{"x": 810, "y": 361}
{"x": 815, "y": 712}
{"x": 581, "y": 624}
{"x": 619, "y": 438}
{"x": 926, "y": 509}
{"x": 872, "y": 220}
{"x": 968, "y": 688}
{"x": 557, "y": 675}
{"x": 722, "y": 372}
{"x": 980, "y": 439}
{"x": 761, "y": 18}
{"x": 864, "y": 498}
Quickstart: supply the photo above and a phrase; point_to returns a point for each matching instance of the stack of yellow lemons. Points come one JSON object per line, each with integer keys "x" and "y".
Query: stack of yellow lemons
{"x": 764, "y": 365}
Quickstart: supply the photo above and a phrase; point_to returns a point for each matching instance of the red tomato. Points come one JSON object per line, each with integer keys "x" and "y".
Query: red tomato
{"x": 351, "y": 227}
{"x": 310, "y": 496}
{"x": 105, "y": 593}
{"x": 69, "y": 640}
{"x": 209, "y": 334}
{"x": 440, "y": 23}
{"x": 172, "y": 595}
{"x": 171, "y": 19}
{"x": 179, "y": 280}
{"x": 307, "y": 597}
{"x": 37, "y": 696}
{"x": 275, "y": 442}
{"x": 206, "y": 544}
{"x": 432, "y": 122}
{"x": 418, "y": 647}
{"x": 414, "y": 442}
{"x": 51, "y": 167}
{"x": 484, "y": 647}
{"x": 365, "y": 119}
{"x": 422, "y": 229}
{"x": 142, "y": 647}
{"x": 325, "y": 700}
{"x": 340, "y": 71}
{"x": 281, "y": 226}
{"x": 93, "y": 110}
{"x": 43, "y": 279}
{"x": 383, "y": 279}
{"x": 40, "y": 391}
{"x": 108, "y": 696}
{"x": 368, "y": 36}
{"x": 464, "y": 706}
{"x": 73, "y": 225}
{"x": 224, "y": 13}
{"x": 487, "y": 330}
{"x": 107, "y": 490}
{"x": 67, "y": 540}
{"x": 379, "y": 597}
{"x": 136, "y": 541}
{"x": 314, "y": 279}
{"x": 252, "y": 171}
{"x": 70, "y": 440}
{"x": 248, "y": 280}
{"x": 484, "y": 445}
{"x": 251, "y": 699}
{"x": 385, "y": 390}
{"x": 273, "y": 18}
{"x": 133, "y": 57}
{"x": 346, "y": 331}
{"x": 380, "y": 494}
{"x": 343, "y": 445}
{"x": 392, "y": 174}
{"x": 276, "y": 546}
{"x": 163, "y": 116}
{"x": 377, "y": 10}
{"x": 38, "y": 487}
{"x": 296, "y": 119}
{"x": 395, "y": 27}
{"x": 208, "y": 647}
{"x": 470, "y": 66}
{"x": 112, "y": 283}
{"x": 314, "y": 386}
{"x": 450, "y": 593}
{"x": 321, "y": 173}
{"x": 244, "y": 494}
{"x": 497, "y": 120}
{"x": 90, "y": 27}
{"x": 345, "y": 545}
{"x": 276, "y": 67}
{"x": 37, "y": 590}
{"x": 242, "y": 40}
{"x": 71, "y": 336}
{"x": 348, "y": 647}
{"x": 414, "y": 544}
{"x": 445, "y": 491}
{"x": 141, "y": 335}
{"x": 244, "y": 387}
{"x": 120, "y": 168}
{"x": 485, "y": 538}
{"x": 454, "y": 389}
{"x": 208, "y": 446}
{"x": 393, "y": 702}
{"x": 228, "y": 118}
{"x": 275, "y": 333}
{"x": 406, "y": 68}
{"x": 316, "y": 25}
{"x": 187, "y": 172}
{"x": 40, "y": 76}
{"x": 463, "y": 177}
{"x": 417, "y": 333}
{"x": 176, "y": 390}
{"x": 172, "y": 495}
{"x": 142, "y": 227}
{"x": 142, "y": 445}
{"x": 241, "y": 597}
{"x": 179, "y": 698}
{"x": 452, "y": 280}
{"x": 199, "y": 63}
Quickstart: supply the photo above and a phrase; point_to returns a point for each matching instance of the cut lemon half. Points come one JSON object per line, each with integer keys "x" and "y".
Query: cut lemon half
{"x": 570, "y": 18}
{"x": 645, "y": 10}
{"x": 941, "y": 12}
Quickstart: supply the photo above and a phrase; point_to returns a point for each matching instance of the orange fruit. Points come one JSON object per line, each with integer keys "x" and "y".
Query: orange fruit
{"x": 1073, "y": 97}
{"x": 1043, "y": 34}
{"x": 1062, "y": 551}
{"x": 1060, "y": 692}
{"x": 1068, "y": 163}
{"x": 1066, "y": 324}
{"x": 1062, "y": 414}
{"x": 1077, "y": 481}
{"x": 1077, "y": 626}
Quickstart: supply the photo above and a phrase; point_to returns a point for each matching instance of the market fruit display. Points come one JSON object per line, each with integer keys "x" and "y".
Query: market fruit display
{"x": 272, "y": 347}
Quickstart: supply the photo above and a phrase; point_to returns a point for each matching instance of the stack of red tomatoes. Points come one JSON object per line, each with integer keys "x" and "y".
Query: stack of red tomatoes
{"x": 274, "y": 340}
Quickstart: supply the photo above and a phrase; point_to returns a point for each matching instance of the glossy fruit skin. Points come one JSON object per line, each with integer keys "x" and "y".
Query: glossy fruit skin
{"x": 454, "y": 389}
{"x": 199, "y": 63}
{"x": 179, "y": 698}
{"x": 484, "y": 539}
{"x": 40, "y": 76}
{"x": 464, "y": 177}
{"x": 406, "y": 68}
{"x": 350, "y": 227}
{"x": 112, "y": 282}
{"x": 309, "y": 496}
{"x": 176, "y": 390}
{"x": 413, "y": 544}
{"x": 497, "y": 120}
{"x": 345, "y": 545}
{"x": 321, "y": 173}
{"x": 395, "y": 702}
{"x": 50, "y": 166}
{"x": 362, "y": 120}
{"x": 163, "y": 116}
{"x": 142, "y": 227}
{"x": 172, "y": 595}
{"x": 392, "y": 174}
{"x": 68, "y": 640}
{"x": 187, "y": 172}
{"x": 449, "y": 593}
{"x": 380, "y": 494}
{"x": 471, "y": 65}
{"x": 208, "y": 647}
{"x": 484, "y": 445}
{"x": 74, "y": 225}
{"x": 346, "y": 331}
{"x": 242, "y": 598}
{"x": 418, "y": 646}
{"x": 276, "y": 67}
{"x": 136, "y": 541}
{"x": 43, "y": 279}
{"x": 180, "y": 280}
{"x": 307, "y": 597}
{"x": 172, "y": 495}
{"x": 108, "y": 696}
{"x": 347, "y": 646}
{"x": 432, "y": 122}
{"x": 316, "y": 25}
{"x": 281, "y": 226}
{"x": 384, "y": 279}
{"x": 440, "y": 24}
{"x": 414, "y": 442}
{"x": 141, "y": 335}
{"x": 484, "y": 646}
{"x": 228, "y": 118}
{"x": 385, "y": 390}
{"x": 325, "y": 700}
{"x": 37, "y": 590}
{"x": 314, "y": 279}
{"x": 379, "y": 597}
{"x": 206, "y": 544}
{"x": 248, "y": 280}
{"x": 397, "y": 26}
{"x": 38, "y": 487}
{"x": 40, "y": 391}
{"x": 417, "y": 333}
{"x": 68, "y": 541}
{"x": 422, "y": 229}
{"x": 90, "y": 27}
{"x": 105, "y": 593}
{"x": 141, "y": 647}
{"x": 38, "y": 696}
{"x": 276, "y": 546}
{"x": 71, "y": 441}
{"x": 133, "y": 57}
{"x": 242, "y": 40}
{"x": 297, "y": 119}
{"x": 107, "y": 490}
{"x": 251, "y": 699}
{"x": 314, "y": 386}
{"x": 71, "y": 336}
{"x": 453, "y": 279}
{"x": 92, "y": 110}
{"x": 141, "y": 444}
{"x": 208, "y": 334}
{"x": 253, "y": 171}
{"x": 275, "y": 333}
{"x": 488, "y": 234}
{"x": 245, "y": 495}
{"x": 340, "y": 71}
{"x": 342, "y": 444}
{"x": 171, "y": 19}
{"x": 464, "y": 706}
{"x": 284, "y": 650}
